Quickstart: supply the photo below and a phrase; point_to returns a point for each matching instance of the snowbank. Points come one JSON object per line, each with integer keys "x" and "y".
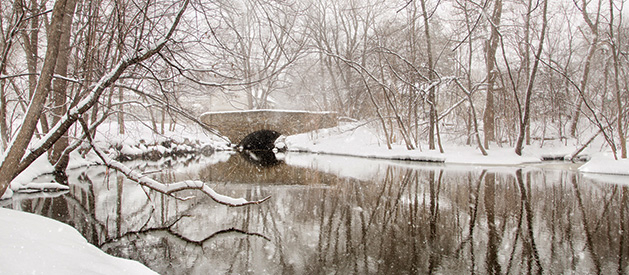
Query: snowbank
{"x": 24, "y": 181}
{"x": 140, "y": 140}
{"x": 32, "y": 244}
{"x": 266, "y": 110}
{"x": 604, "y": 163}
{"x": 363, "y": 141}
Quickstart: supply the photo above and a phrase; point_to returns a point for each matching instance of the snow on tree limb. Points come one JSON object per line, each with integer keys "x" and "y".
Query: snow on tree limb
{"x": 177, "y": 186}
{"x": 73, "y": 114}
{"x": 166, "y": 188}
{"x": 14, "y": 155}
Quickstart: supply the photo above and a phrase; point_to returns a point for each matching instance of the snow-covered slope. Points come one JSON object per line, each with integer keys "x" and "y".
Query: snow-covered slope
{"x": 32, "y": 244}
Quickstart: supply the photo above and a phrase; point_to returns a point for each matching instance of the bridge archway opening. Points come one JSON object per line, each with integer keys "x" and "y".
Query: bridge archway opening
{"x": 260, "y": 140}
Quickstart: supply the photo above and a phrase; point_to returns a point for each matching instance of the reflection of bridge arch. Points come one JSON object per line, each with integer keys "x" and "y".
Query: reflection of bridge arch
{"x": 239, "y": 169}
{"x": 236, "y": 125}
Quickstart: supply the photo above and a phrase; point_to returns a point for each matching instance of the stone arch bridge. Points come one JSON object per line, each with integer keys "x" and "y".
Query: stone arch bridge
{"x": 242, "y": 126}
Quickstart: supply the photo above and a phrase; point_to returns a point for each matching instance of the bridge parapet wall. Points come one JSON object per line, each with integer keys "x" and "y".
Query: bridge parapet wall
{"x": 236, "y": 125}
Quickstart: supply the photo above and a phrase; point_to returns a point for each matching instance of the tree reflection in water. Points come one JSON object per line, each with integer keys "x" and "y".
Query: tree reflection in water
{"x": 417, "y": 220}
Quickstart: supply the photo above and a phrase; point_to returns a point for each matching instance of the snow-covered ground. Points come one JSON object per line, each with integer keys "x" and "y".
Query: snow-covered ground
{"x": 366, "y": 142}
{"x": 32, "y": 244}
{"x": 604, "y": 163}
{"x": 49, "y": 247}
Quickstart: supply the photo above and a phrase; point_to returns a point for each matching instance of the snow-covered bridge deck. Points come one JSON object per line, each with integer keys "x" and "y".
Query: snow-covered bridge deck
{"x": 236, "y": 125}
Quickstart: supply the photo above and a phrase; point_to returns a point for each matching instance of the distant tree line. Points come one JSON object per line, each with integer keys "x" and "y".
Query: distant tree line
{"x": 482, "y": 72}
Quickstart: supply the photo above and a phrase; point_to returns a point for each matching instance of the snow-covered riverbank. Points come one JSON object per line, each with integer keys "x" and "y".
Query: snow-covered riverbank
{"x": 365, "y": 142}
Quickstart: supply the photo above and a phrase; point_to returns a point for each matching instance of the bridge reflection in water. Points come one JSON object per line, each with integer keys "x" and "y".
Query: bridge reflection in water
{"x": 262, "y": 167}
{"x": 390, "y": 219}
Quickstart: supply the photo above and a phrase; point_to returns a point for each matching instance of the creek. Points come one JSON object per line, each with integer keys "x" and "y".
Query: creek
{"x": 344, "y": 215}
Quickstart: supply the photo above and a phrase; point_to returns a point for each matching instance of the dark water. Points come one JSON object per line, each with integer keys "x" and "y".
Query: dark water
{"x": 338, "y": 215}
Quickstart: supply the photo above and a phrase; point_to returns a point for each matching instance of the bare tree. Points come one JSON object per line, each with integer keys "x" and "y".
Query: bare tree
{"x": 260, "y": 41}
{"x": 17, "y": 147}
{"x": 7, "y": 40}
{"x": 343, "y": 29}
{"x": 525, "y": 121}
{"x": 490, "y": 62}
{"x": 432, "y": 99}
{"x": 593, "y": 46}
{"x": 615, "y": 42}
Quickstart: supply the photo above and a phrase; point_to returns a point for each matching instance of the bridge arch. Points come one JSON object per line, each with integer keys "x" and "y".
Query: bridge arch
{"x": 260, "y": 140}
{"x": 237, "y": 125}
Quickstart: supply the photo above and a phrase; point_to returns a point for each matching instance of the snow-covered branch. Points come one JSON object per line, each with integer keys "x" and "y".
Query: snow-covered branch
{"x": 106, "y": 81}
{"x": 177, "y": 186}
{"x": 74, "y": 80}
{"x": 162, "y": 187}
{"x": 3, "y": 77}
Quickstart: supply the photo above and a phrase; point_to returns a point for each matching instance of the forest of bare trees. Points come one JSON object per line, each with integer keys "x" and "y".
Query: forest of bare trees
{"x": 479, "y": 72}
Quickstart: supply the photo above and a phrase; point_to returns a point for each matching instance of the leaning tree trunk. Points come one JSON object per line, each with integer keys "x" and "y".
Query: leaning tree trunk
{"x": 18, "y": 145}
{"x": 615, "y": 41}
{"x": 588, "y": 61}
{"x": 524, "y": 122}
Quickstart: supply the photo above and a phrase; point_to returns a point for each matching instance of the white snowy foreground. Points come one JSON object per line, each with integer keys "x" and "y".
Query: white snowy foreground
{"x": 32, "y": 244}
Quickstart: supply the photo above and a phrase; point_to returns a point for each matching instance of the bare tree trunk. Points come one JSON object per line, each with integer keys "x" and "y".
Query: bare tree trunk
{"x": 432, "y": 116}
{"x": 56, "y": 156}
{"x": 413, "y": 116}
{"x": 31, "y": 42}
{"x": 527, "y": 59}
{"x": 4, "y": 131}
{"x": 588, "y": 61}
{"x": 615, "y": 51}
{"x": 17, "y": 147}
{"x": 524, "y": 122}
{"x": 121, "y": 112}
{"x": 471, "y": 111}
{"x": 490, "y": 61}
{"x": 121, "y": 22}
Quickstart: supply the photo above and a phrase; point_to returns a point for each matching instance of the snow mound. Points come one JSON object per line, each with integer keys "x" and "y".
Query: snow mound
{"x": 605, "y": 164}
{"x": 31, "y": 244}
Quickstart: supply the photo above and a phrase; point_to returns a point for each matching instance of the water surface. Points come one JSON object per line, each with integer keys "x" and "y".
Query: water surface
{"x": 343, "y": 215}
